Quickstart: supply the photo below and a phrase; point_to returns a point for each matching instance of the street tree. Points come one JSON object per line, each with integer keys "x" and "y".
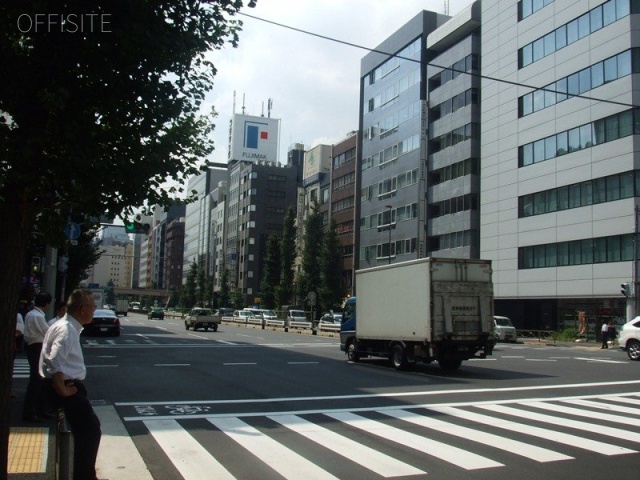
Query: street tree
{"x": 309, "y": 281}
{"x": 202, "y": 287}
{"x": 97, "y": 119}
{"x": 191, "y": 286}
{"x": 224, "y": 298}
{"x": 331, "y": 291}
{"x": 284, "y": 291}
{"x": 271, "y": 273}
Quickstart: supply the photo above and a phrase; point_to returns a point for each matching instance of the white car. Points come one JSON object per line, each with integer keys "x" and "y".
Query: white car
{"x": 297, "y": 316}
{"x": 504, "y": 329}
{"x": 629, "y": 338}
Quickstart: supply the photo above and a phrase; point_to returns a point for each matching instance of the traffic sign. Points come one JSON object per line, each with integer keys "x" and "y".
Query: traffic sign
{"x": 72, "y": 231}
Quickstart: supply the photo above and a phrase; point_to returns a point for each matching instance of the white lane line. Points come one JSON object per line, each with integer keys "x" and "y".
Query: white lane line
{"x": 512, "y": 356}
{"x": 425, "y": 393}
{"x": 226, "y": 342}
{"x": 630, "y": 401}
{"x": 565, "y": 422}
{"x": 507, "y": 444}
{"x": 231, "y": 364}
{"x": 189, "y": 457}
{"x": 448, "y": 453}
{"x": 599, "y": 360}
{"x": 197, "y": 336}
{"x": 269, "y": 451}
{"x": 559, "y": 437}
{"x": 540, "y": 360}
{"x": 364, "y": 456}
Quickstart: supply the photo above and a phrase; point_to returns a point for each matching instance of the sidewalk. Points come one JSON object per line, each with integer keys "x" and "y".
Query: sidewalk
{"x": 32, "y": 446}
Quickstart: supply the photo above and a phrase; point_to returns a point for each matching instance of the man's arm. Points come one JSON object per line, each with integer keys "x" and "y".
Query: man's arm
{"x": 60, "y": 387}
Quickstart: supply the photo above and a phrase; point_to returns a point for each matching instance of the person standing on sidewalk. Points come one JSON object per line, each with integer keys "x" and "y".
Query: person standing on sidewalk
{"x": 17, "y": 347}
{"x": 35, "y": 327}
{"x": 62, "y": 366}
{"x": 604, "y": 331}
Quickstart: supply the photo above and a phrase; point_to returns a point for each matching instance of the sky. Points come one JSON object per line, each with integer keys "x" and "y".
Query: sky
{"x": 313, "y": 82}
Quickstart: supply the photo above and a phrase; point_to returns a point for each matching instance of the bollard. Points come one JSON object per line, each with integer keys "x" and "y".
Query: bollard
{"x": 63, "y": 447}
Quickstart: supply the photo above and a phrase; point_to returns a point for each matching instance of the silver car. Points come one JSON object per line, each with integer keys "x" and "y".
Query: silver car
{"x": 504, "y": 329}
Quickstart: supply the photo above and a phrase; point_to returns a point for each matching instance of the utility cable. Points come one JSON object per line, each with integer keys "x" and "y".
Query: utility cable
{"x": 478, "y": 75}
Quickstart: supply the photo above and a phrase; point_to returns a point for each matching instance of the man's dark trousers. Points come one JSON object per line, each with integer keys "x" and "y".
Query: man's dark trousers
{"x": 85, "y": 427}
{"x": 34, "y": 399}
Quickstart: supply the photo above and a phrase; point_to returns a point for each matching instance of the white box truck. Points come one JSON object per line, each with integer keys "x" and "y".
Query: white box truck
{"x": 422, "y": 310}
{"x": 122, "y": 306}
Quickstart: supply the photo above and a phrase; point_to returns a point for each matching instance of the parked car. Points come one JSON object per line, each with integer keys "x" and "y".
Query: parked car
{"x": 156, "y": 312}
{"x": 105, "y": 322}
{"x": 225, "y": 312}
{"x": 297, "y": 316}
{"x": 629, "y": 338}
{"x": 269, "y": 315}
{"x": 332, "y": 317}
{"x": 244, "y": 315}
{"x": 504, "y": 329}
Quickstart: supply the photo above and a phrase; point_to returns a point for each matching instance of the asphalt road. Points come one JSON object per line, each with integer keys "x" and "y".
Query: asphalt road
{"x": 248, "y": 403}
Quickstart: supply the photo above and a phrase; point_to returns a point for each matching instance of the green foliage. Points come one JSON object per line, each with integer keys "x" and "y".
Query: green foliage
{"x": 331, "y": 291}
{"x": 313, "y": 234}
{"x": 190, "y": 294}
{"x": 569, "y": 334}
{"x": 238, "y": 299}
{"x": 224, "y": 297}
{"x": 284, "y": 291}
{"x": 109, "y": 293}
{"x": 271, "y": 274}
{"x": 202, "y": 287}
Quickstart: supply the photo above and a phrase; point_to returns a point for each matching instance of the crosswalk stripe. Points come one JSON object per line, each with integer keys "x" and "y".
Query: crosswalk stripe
{"x": 190, "y": 458}
{"x": 447, "y": 453}
{"x": 607, "y": 406}
{"x": 630, "y": 401}
{"x": 559, "y": 437}
{"x": 580, "y": 412}
{"x": 565, "y": 422}
{"x": 367, "y": 457}
{"x": 269, "y": 451}
{"x": 513, "y": 446}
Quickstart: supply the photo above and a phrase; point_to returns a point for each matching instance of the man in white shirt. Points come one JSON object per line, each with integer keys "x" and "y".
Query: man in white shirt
{"x": 63, "y": 369}
{"x": 35, "y": 327}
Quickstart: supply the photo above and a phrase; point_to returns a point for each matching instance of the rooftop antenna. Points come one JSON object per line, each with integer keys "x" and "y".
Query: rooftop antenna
{"x": 234, "y": 102}
{"x": 446, "y": 7}
{"x": 243, "y": 103}
{"x": 269, "y": 107}
{"x": 262, "y": 113}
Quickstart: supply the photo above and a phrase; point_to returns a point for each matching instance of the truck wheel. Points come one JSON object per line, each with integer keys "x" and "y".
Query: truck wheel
{"x": 186, "y": 326}
{"x": 206, "y": 329}
{"x": 398, "y": 357}
{"x": 352, "y": 355}
{"x": 215, "y": 327}
{"x": 449, "y": 364}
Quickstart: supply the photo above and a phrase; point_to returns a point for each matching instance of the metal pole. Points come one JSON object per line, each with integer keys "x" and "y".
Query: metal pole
{"x": 389, "y": 228}
{"x": 635, "y": 264}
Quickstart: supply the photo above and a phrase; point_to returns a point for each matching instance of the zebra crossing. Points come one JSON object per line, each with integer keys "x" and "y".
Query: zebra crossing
{"x": 20, "y": 368}
{"x": 388, "y": 442}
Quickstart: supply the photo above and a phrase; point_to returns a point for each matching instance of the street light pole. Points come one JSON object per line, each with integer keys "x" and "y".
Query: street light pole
{"x": 390, "y": 207}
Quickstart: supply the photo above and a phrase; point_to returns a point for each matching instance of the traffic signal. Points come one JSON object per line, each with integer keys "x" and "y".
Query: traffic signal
{"x": 35, "y": 264}
{"x": 626, "y": 289}
{"x": 137, "y": 227}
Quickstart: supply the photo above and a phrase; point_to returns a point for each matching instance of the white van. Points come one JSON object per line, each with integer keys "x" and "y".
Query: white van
{"x": 504, "y": 330}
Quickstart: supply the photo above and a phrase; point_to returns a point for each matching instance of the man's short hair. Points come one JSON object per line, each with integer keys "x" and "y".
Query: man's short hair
{"x": 42, "y": 299}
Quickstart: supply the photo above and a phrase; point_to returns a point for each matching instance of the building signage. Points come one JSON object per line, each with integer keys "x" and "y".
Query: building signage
{"x": 254, "y": 138}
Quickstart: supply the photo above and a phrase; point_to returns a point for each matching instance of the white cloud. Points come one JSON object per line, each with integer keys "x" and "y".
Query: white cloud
{"x": 314, "y": 83}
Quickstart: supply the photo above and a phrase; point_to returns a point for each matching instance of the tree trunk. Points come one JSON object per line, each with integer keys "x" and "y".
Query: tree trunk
{"x": 16, "y": 218}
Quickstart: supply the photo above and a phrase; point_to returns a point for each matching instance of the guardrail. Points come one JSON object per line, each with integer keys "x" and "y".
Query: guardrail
{"x": 540, "y": 335}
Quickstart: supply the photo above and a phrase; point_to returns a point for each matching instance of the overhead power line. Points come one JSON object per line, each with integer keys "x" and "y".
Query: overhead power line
{"x": 390, "y": 55}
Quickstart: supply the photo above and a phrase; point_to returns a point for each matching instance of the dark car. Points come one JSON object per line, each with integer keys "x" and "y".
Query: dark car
{"x": 105, "y": 322}
{"x": 156, "y": 312}
{"x": 225, "y": 312}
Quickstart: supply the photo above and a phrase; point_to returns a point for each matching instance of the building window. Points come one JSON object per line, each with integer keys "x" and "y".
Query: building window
{"x": 601, "y": 131}
{"x": 617, "y": 248}
{"x": 571, "y": 32}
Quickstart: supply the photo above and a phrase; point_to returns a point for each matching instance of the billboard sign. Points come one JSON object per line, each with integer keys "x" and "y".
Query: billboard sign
{"x": 254, "y": 138}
